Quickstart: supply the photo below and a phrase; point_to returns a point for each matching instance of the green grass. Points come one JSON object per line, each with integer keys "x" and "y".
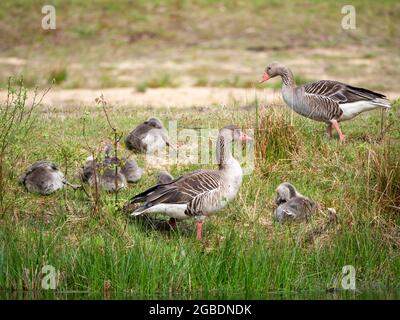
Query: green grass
{"x": 58, "y": 75}
{"x": 152, "y": 44}
{"x": 243, "y": 249}
{"x": 163, "y": 81}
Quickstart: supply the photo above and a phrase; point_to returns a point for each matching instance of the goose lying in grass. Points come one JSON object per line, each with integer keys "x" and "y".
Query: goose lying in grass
{"x": 44, "y": 177}
{"x": 325, "y": 100}
{"x": 164, "y": 177}
{"x": 200, "y": 193}
{"x": 147, "y": 137}
{"x": 106, "y": 174}
{"x": 292, "y": 205}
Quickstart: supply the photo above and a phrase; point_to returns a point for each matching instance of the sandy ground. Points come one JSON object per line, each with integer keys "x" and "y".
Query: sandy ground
{"x": 162, "y": 97}
{"x": 157, "y": 98}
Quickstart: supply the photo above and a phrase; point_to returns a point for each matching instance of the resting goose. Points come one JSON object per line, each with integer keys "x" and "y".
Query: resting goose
{"x": 110, "y": 180}
{"x": 325, "y": 100}
{"x": 199, "y": 193}
{"x": 44, "y": 177}
{"x": 147, "y": 137}
{"x": 292, "y": 205}
{"x": 164, "y": 177}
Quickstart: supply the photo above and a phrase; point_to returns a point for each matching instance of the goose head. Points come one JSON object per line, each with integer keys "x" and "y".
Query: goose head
{"x": 226, "y": 138}
{"x": 272, "y": 70}
{"x": 164, "y": 177}
{"x": 285, "y": 192}
{"x": 232, "y": 133}
{"x": 154, "y": 122}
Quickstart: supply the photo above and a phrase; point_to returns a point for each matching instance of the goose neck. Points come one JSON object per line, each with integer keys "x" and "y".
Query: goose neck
{"x": 288, "y": 78}
{"x": 224, "y": 153}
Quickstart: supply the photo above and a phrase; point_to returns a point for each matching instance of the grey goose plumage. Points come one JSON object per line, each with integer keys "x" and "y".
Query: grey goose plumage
{"x": 105, "y": 172}
{"x": 164, "y": 177}
{"x": 147, "y": 137}
{"x": 292, "y": 205}
{"x": 199, "y": 193}
{"x": 325, "y": 100}
{"x": 44, "y": 177}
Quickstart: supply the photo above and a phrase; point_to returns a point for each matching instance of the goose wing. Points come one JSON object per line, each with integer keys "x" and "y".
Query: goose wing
{"x": 322, "y": 107}
{"x": 134, "y": 138}
{"x": 340, "y": 92}
{"x": 181, "y": 190}
{"x": 34, "y": 166}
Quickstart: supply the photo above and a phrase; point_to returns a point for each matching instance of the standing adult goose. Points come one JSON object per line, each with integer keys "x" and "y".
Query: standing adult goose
{"x": 292, "y": 205}
{"x": 325, "y": 100}
{"x": 147, "y": 137}
{"x": 44, "y": 177}
{"x": 199, "y": 193}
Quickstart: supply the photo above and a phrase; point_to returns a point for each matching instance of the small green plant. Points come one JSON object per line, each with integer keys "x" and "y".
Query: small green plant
{"x": 58, "y": 75}
{"x": 163, "y": 81}
{"x": 141, "y": 87}
{"x": 16, "y": 122}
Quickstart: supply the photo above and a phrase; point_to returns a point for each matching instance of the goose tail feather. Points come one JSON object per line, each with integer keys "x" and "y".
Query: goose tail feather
{"x": 381, "y": 102}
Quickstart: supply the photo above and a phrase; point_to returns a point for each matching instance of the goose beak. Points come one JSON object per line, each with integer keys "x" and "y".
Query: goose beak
{"x": 244, "y": 137}
{"x": 265, "y": 77}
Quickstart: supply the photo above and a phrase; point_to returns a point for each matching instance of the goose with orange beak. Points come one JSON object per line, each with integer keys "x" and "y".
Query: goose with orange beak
{"x": 325, "y": 100}
{"x": 201, "y": 193}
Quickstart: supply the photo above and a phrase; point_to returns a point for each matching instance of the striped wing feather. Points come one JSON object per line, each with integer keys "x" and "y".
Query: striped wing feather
{"x": 340, "y": 92}
{"x": 322, "y": 107}
{"x": 181, "y": 190}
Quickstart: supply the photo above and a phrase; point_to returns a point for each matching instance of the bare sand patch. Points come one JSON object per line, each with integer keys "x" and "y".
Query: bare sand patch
{"x": 157, "y": 98}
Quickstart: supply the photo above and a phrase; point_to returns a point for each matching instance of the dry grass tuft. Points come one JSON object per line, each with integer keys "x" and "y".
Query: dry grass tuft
{"x": 276, "y": 139}
{"x": 384, "y": 172}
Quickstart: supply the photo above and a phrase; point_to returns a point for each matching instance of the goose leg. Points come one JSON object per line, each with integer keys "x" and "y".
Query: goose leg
{"x": 172, "y": 223}
{"x": 199, "y": 226}
{"x": 335, "y": 124}
{"x": 329, "y": 130}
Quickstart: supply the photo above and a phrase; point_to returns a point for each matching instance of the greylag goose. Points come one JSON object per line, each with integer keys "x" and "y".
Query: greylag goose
{"x": 199, "y": 193}
{"x": 110, "y": 179}
{"x": 292, "y": 205}
{"x": 129, "y": 167}
{"x": 325, "y": 100}
{"x": 131, "y": 170}
{"x": 147, "y": 137}
{"x": 164, "y": 177}
{"x": 104, "y": 175}
{"x": 44, "y": 177}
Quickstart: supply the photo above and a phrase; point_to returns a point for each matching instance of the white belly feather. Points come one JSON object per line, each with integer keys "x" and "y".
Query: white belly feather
{"x": 350, "y": 110}
{"x": 176, "y": 211}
